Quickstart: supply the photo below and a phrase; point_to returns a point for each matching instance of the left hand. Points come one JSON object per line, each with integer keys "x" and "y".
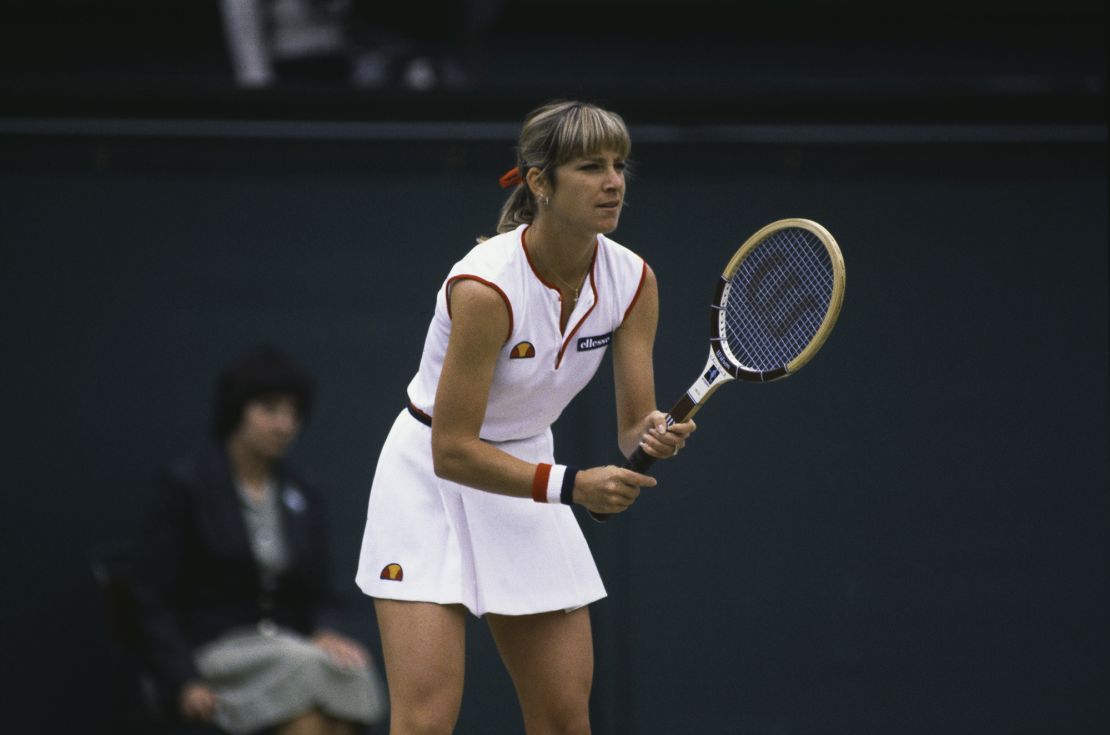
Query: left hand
{"x": 347, "y": 653}
{"x": 198, "y": 702}
{"x": 663, "y": 442}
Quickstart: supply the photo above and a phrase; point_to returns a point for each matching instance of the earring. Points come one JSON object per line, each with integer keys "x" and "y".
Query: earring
{"x": 546, "y": 201}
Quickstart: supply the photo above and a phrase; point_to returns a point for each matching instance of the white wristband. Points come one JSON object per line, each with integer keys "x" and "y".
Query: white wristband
{"x": 555, "y": 482}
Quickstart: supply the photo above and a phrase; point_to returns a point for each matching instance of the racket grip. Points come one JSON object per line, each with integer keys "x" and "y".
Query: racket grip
{"x": 638, "y": 462}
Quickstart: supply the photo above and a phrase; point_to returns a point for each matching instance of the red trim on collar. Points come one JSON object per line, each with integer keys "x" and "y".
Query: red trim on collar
{"x": 570, "y": 335}
{"x": 532, "y": 265}
{"x": 536, "y": 273}
{"x": 593, "y": 287}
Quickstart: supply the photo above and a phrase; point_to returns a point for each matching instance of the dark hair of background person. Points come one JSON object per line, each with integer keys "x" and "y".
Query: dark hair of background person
{"x": 259, "y": 372}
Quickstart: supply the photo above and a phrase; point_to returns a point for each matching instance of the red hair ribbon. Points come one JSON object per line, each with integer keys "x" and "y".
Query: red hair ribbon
{"x": 511, "y": 177}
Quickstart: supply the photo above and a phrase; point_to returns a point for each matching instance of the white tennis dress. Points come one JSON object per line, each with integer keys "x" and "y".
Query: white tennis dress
{"x": 434, "y": 540}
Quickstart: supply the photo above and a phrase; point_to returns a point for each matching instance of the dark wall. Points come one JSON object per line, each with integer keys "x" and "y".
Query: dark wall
{"x": 908, "y": 536}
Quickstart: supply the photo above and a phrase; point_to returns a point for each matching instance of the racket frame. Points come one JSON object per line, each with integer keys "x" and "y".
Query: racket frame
{"x": 721, "y": 367}
{"x": 717, "y": 342}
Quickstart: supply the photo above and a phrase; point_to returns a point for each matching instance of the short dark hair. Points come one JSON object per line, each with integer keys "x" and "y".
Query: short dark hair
{"x": 259, "y": 372}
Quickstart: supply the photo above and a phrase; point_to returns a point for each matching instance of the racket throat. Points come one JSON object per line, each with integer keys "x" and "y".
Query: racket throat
{"x": 712, "y": 377}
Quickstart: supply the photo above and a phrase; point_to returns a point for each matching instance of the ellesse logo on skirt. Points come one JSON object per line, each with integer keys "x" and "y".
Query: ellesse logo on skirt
{"x": 393, "y": 572}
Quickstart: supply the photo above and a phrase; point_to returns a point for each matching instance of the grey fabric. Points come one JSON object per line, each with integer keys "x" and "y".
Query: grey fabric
{"x": 268, "y": 676}
{"x": 263, "y": 519}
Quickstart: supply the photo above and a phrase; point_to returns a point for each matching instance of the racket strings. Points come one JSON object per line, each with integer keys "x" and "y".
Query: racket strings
{"x": 777, "y": 299}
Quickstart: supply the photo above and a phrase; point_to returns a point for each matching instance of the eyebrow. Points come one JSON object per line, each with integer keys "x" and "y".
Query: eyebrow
{"x": 599, "y": 158}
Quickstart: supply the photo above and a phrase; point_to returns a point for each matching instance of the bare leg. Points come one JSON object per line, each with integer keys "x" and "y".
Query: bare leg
{"x": 315, "y": 723}
{"x": 550, "y": 659}
{"x": 424, "y": 646}
{"x": 339, "y": 727}
{"x": 310, "y": 723}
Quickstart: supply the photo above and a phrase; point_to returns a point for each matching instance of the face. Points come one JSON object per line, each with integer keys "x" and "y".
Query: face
{"x": 269, "y": 426}
{"x": 589, "y": 193}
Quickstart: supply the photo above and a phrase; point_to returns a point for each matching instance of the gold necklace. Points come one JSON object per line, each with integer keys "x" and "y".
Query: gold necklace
{"x": 574, "y": 299}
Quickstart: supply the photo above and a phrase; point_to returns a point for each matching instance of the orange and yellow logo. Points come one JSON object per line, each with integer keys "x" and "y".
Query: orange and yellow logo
{"x": 393, "y": 572}
{"x": 522, "y": 350}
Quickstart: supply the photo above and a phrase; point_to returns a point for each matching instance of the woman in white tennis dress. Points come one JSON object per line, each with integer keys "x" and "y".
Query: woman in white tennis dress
{"x": 469, "y": 510}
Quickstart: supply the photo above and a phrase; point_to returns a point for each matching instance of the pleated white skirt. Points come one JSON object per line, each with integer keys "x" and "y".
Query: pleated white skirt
{"x": 432, "y": 540}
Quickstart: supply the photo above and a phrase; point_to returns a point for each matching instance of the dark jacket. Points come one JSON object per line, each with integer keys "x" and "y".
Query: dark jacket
{"x": 195, "y": 574}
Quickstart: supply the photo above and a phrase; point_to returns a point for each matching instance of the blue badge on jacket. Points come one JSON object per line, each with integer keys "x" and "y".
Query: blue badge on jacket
{"x": 293, "y": 499}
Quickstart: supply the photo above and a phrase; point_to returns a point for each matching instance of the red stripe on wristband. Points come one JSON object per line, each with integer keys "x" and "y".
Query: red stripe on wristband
{"x": 539, "y": 482}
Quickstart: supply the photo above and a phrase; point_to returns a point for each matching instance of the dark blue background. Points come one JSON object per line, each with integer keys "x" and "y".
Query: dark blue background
{"x": 909, "y": 536}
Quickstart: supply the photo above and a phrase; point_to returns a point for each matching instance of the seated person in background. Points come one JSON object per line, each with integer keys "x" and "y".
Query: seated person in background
{"x": 239, "y": 623}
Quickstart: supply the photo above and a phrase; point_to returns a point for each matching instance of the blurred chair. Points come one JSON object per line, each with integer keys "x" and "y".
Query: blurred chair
{"x": 140, "y": 708}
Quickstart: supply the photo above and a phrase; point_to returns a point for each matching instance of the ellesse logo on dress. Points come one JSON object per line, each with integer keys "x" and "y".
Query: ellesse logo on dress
{"x": 593, "y": 343}
{"x": 522, "y": 350}
{"x": 393, "y": 572}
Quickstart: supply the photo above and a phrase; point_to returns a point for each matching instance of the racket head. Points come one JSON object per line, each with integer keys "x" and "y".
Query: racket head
{"x": 777, "y": 300}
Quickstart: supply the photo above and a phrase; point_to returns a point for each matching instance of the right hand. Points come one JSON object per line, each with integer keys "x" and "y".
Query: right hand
{"x": 198, "y": 702}
{"x": 609, "y": 489}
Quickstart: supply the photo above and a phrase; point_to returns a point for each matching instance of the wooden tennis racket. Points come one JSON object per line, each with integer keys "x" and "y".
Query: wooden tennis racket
{"x": 775, "y": 305}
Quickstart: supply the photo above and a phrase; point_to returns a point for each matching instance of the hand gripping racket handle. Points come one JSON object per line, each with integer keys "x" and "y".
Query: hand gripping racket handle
{"x": 640, "y": 460}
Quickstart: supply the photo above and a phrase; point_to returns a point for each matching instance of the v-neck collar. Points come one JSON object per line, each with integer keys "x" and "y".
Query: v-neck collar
{"x": 587, "y": 299}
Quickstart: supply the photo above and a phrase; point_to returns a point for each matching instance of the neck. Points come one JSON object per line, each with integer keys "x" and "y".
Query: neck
{"x": 250, "y": 468}
{"x": 565, "y": 257}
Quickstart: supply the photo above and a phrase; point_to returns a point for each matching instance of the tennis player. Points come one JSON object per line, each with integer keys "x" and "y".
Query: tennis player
{"x": 469, "y": 510}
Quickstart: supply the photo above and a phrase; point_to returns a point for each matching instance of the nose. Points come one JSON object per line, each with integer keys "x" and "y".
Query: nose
{"x": 615, "y": 179}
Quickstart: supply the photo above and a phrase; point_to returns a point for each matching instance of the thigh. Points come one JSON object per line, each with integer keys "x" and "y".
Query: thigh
{"x": 424, "y": 645}
{"x": 550, "y": 659}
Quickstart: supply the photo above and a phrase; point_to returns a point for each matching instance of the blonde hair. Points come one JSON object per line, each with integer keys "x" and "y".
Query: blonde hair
{"x": 552, "y": 135}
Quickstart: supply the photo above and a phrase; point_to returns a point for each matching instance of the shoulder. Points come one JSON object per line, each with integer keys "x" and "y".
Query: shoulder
{"x": 482, "y": 309}
{"x": 179, "y": 485}
{"x": 616, "y": 249}
{"x": 626, "y": 273}
{"x": 490, "y": 259}
{"x": 619, "y": 258}
{"x": 488, "y": 280}
{"x": 204, "y": 467}
{"x": 475, "y": 293}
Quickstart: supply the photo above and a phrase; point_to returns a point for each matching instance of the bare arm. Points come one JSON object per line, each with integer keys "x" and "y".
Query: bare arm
{"x": 639, "y": 422}
{"x": 479, "y": 323}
